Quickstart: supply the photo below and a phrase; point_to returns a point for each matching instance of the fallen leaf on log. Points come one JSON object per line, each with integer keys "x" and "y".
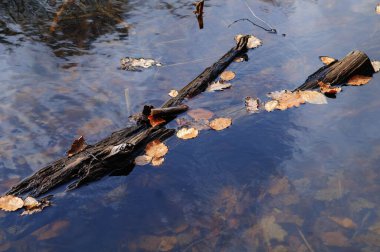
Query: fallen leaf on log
{"x": 187, "y": 133}
{"x": 271, "y": 105}
{"x": 335, "y": 239}
{"x": 220, "y": 123}
{"x": 376, "y": 66}
{"x": 227, "y": 75}
{"x": 11, "y": 203}
{"x": 327, "y": 60}
{"x": 143, "y": 160}
{"x": 218, "y": 86}
{"x": 252, "y": 104}
{"x": 344, "y": 222}
{"x": 50, "y": 230}
{"x": 30, "y": 202}
{"x": 154, "y": 120}
{"x": 77, "y": 146}
{"x": 173, "y": 93}
{"x": 32, "y": 206}
{"x": 253, "y": 42}
{"x": 200, "y": 114}
{"x": 358, "y": 80}
{"x": 137, "y": 64}
{"x": 313, "y": 97}
{"x": 156, "y": 149}
{"x": 327, "y": 89}
{"x": 158, "y": 161}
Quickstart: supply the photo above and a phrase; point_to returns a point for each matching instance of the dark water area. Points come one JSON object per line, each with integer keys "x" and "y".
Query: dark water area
{"x": 280, "y": 181}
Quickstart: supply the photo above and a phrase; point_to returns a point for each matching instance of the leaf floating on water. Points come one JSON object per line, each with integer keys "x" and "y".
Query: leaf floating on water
{"x": 327, "y": 60}
{"x": 220, "y": 123}
{"x": 287, "y": 99}
{"x": 271, "y": 230}
{"x": 200, "y": 114}
{"x": 30, "y": 202}
{"x": 155, "y": 121}
{"x": 77, "y": 146}
{"x": 227, "y": 75}
{"x": 187, "y": 133}
{"x": 335, "y": 239}
{"x": 313, "y": 97}
{"x": 376, "y": 66}
{"x": 329, "y": 90}
{"x": 358, "y": 80}
{"x": 271, "y": 105}
{"x": 158, "y": 161}
{"x": 137, "y": 64}
{"x": 143, "y": 160}
{"x": 11, "y": 203}
{"x": 32, "y": 206}
{"x": 252, "y": 104}
{"x": 156, "y": 149}
{"x": 173, "y": 93}
{"x": 378, "y": 9}
{"x": 253, "y": 42}
{"x": 344, "y": 222}
{"x": 218, "y": 86}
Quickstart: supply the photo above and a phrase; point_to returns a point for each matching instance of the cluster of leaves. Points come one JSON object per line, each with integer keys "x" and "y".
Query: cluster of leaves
{"x": 31, "y": 205}
{"x": 154, "y": 154}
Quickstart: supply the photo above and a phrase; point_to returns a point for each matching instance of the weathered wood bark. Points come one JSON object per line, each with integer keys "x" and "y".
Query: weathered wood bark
{"x": 340, "y": 71}
{"x": 116, "y": 154}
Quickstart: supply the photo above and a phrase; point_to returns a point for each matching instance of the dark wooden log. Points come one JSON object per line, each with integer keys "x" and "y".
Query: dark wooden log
{"x": 168, "y": 112}
{"x": 338, "y": 72}
{"x": 116, "y": 153}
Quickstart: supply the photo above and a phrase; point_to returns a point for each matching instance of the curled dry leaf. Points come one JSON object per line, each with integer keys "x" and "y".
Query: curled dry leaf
{"x": 252, "y": 104}
{"x": 34, "y": 206}
{"x": 30, "y": 202}
{"x": 77, "y": 146}
{"x": 187, "y": 133}
{"x": 200, "y": 114}
{"x": 173, "y": 93}
{"x": 155, "y": 121}
{"x": 329, "y": 90}
{"x": 11, "y": 203}
{"x": 220, "y": 123}
{"x": 376, "y": 66}
{"x": 156, "y": 149}
{"x": 218, "y": 86}
{"x": 358, "y": 80}
{"x": 253, "y": 42}
{"x": 143, "y": 160}
{"x": 313, "y": 97}
{"x": 158, "y": 161}
{"x": 271, "y": 105}
{"x": 344, "y": 222}
{"x": 327, "y": 60}
{"x": 227, "y": 75}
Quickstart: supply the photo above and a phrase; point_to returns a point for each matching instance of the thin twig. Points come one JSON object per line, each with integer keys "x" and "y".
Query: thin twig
{"x": 305, "y": 241}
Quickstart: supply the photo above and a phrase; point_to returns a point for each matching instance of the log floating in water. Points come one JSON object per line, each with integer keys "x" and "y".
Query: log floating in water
{"x": 116, "y": 153}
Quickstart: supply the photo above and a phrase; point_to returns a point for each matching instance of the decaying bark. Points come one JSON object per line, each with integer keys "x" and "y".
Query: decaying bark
{"x": 116, "y": 153}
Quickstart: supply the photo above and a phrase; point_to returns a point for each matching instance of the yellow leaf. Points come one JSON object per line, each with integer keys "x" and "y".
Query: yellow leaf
{"x": 77, "y": 146}
{"x": 173, "y": 93}
{"x": 220, "y": 123}
{"x": 11, "y": 203}
{"x": 327, "y": 60}
{"x": 156, "y": 149}
{"x": 187, "y": 133}
{"x": 143, "y": 160}
{"x": 227, "y": 75}
{"x": 358, "y": 80}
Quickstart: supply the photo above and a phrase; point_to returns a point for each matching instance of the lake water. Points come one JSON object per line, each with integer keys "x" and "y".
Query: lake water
{"x": 305, "y": 179}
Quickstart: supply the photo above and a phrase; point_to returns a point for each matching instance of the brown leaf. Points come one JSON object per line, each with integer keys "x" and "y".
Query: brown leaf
{"x": 271, "y": 105}
{"x": 227, "y": 75}
{"x": 287, "y": 99}
{"x": 77, "y": 146}
{"x": 143, "y": 160}
{"x": 335, "y": 239}
{"x": 327, "y": 60}
{"x": 156, "y": 149}
{"x": 220, "y": 123}
{"x": 218, "y": 86}
{"x": 358, "y": 80}
{"x": 173, "y": 93}
{"x": 94, "y": 126}
{"x": 158, "y": 161}
{"x": 344, "y": 222}
{"x": 376, "y": 65}
{"x": 154, "y": 121}
{"x": 200, "y": 114}
{"x": 327, "y": 89}
{"x": 50, "y": 230}
{"x": 187, "y": 133}
{"x": 11, "y": 203}
{"x": 252, "y": 104}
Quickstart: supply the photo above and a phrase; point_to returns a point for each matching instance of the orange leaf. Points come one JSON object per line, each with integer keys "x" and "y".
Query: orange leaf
{"x": 154, "y": 121}
{"x": 11, "y": 203}
{"x": 327, "y": 89}
{"x": 326, "y": 60}
{"x": 187, "y": 133}
{"x": 227, "y": 75}
{"x": 220, "y": 123}
{"x": 77, "y": 146}
{"x": 358, "y": 80}
{"x": 156, "y": 149}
